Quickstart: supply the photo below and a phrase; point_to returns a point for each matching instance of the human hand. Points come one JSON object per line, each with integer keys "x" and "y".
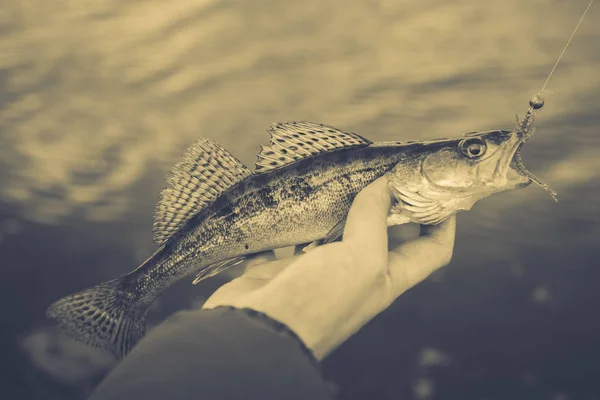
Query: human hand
{"x": 327, "y": 294}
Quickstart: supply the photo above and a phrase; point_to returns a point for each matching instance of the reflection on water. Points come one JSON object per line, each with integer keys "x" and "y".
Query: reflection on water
{"x": 98, "y": 101}
{"x": 94, "y": 97}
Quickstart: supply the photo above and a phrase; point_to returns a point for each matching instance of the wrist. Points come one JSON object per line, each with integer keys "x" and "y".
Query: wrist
{"x": 281, "y": 328}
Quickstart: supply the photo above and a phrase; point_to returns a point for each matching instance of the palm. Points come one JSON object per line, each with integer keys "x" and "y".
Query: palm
{"x": 264, "y": 267}
{"x": 326, "y": 294}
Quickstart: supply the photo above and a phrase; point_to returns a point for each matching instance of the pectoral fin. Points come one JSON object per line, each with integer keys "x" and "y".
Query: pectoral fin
{"x": 397, "y": 215}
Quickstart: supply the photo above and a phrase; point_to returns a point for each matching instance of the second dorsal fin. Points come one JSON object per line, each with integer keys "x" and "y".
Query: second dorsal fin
{"x": 293, "y": 141}
{"x": 204, "y": 173}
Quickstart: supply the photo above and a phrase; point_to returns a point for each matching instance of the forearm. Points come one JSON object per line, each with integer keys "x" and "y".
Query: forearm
{"x": 223, "y": 353}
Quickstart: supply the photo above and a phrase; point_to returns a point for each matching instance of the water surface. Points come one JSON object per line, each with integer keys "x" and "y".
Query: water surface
{"x": 97, "y": 103}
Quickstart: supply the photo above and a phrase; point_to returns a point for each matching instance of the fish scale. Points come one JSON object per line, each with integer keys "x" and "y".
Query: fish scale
{"x": 216, "y": 212}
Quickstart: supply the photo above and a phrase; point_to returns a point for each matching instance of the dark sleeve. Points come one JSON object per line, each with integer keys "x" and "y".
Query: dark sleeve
{"x": 224, "y": 353}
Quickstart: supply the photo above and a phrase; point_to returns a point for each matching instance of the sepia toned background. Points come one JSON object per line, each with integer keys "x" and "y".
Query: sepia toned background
{"x": 98, "y": 98}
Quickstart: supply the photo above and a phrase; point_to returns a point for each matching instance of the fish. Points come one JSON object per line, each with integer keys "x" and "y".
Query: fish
{"x": 215, "y": 212}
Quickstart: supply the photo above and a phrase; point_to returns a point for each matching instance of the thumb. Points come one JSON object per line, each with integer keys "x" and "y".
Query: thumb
{"x": 413, "y": 261}
{"x": 366, "y": 227}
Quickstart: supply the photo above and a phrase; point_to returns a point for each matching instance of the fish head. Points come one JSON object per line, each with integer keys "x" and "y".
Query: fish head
{"x": 443, "y": 176}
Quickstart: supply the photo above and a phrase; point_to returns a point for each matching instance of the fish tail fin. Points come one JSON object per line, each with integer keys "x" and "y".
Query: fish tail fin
{"x": 103, "y": 316}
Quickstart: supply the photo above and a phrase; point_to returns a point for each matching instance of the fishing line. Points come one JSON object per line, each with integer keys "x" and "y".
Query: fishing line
{"x": 567, "y": 45}
{"x": 525, "y": 127}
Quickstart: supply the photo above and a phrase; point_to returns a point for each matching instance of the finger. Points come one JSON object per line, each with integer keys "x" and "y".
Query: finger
{"x": 268, "y": 270}
{"x": 260, "y": 258}
{"x": 263, "y": 268}
{"x": 442, "y": 232}
{"x": 413, "y": 261}
{"x": 366, "y": 226}
{"x": 401, "y": 233}
{"x": 256, "y": 259}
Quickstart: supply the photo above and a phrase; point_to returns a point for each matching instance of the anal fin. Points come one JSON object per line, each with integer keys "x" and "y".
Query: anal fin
{"x": 397, "y": 216}
{"x": 216, "y": 268}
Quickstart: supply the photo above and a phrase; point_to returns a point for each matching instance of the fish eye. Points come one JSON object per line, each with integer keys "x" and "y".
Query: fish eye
{"x": 472, "y": 148}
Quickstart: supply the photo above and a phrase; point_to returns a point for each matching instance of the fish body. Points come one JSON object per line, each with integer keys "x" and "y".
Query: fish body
{"x": 216, "y": 212}
{"x": 296, "y": 204}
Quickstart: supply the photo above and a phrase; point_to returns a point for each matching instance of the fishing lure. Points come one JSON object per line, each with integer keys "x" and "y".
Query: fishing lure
{"x": 525, "y": 128}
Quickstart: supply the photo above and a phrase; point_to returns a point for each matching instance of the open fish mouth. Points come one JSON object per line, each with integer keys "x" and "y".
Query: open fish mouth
{"x": 519, "y": 171}
{"x": 525, "y": 131}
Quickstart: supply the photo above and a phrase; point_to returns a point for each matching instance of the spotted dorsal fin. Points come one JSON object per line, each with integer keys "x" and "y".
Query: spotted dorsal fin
{"x": 294, "y": 141}
{"x": 204, "y": 173}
